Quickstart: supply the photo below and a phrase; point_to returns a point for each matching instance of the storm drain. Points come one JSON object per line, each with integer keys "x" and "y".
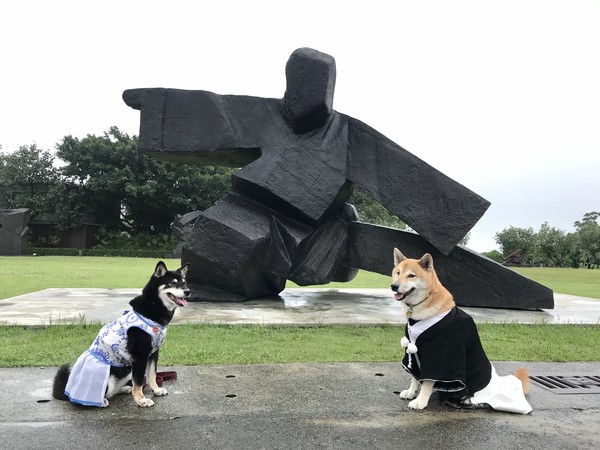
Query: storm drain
{"x": 568, "y": 384}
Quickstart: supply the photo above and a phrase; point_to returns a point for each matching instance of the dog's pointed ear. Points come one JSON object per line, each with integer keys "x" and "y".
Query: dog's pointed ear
{"x": 398, "y": 256}
{"x": 160, "y": 270}
{"x": 183, "y": 270}
{"x": 426, "y": 262}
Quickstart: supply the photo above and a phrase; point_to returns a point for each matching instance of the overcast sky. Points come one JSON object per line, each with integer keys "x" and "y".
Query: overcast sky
{"x": 502, "y": 96}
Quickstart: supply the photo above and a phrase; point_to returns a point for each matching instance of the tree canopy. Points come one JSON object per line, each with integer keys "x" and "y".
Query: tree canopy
{"x": 105, "y": 179}
{"x": 588, "y": 231}
{"x": 553, "y": 247}
{"x": 28, "y": 179}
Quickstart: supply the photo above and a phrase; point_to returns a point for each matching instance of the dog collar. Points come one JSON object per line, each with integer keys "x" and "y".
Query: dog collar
{"x": 409, "y": 311}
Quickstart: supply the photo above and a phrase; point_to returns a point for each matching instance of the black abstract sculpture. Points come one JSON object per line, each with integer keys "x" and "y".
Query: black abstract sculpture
{"x": 286, "y": 217}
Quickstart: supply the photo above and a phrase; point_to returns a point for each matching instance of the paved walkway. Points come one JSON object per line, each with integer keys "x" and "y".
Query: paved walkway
{"x": 291, "y": 406}
{"x": 312, "y": 306}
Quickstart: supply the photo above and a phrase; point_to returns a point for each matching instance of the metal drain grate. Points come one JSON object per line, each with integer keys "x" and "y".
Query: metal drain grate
{"x": 568, "y": 384}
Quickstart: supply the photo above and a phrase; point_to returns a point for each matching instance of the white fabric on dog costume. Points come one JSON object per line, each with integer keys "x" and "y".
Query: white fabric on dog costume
{"x": 88, "y": 380}
{"x": 89, "y": 376}
{"x": 504, "y": 393}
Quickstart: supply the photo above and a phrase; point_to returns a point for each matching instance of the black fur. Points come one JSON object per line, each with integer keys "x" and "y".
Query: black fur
{"x": 60, "y": 381}
{"x": 139, "y": 343}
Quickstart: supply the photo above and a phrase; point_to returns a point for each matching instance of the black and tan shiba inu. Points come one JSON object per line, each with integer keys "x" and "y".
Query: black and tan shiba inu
{"x": 443, "y": 351}
{"x": 127, "y": 348}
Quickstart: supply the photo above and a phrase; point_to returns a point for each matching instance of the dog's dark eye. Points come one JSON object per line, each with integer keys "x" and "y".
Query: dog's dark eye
{"x": 411, "y": 275}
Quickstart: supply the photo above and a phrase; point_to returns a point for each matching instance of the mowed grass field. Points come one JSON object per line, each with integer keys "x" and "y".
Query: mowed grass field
{"x": 21, "y": 275}
{"x": 24, "y": 274}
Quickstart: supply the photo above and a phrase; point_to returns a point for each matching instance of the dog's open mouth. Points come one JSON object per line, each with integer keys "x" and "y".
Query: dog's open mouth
{"x": 399, "y": 296}
{"x": 179, "y": 300}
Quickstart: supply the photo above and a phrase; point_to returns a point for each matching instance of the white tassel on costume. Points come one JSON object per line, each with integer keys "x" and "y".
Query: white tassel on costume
{"x": 410, "y": 349}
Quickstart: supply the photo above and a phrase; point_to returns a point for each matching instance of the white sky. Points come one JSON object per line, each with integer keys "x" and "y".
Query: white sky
{"x": 503, "y": 96}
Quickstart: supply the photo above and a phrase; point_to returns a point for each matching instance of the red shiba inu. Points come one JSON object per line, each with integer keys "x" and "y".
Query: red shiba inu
{"x": 443, "y": 351}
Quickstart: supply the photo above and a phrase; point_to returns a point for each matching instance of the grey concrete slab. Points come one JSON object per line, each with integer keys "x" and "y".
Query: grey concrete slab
{"x": 292, "y": 406}
{"x": 301, "y": 305}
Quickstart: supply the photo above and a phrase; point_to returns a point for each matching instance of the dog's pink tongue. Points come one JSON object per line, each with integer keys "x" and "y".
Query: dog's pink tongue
{"x": 182, "y": 302}
{"x": 398, "y": 296}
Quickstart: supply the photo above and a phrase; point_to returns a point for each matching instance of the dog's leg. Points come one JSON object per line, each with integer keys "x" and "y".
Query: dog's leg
{"x": 119, "y": 376}
{"x": 138, "y": 370}
{"x": 411, "y": 392}
{"x": 151, "y": 375}
{"x": 138, "y": 383}
{"x": 122, "y": 387}
{"x": 140, "y": 398}
{"x": 423, "y": 398}
{"x": 139, "y": 345}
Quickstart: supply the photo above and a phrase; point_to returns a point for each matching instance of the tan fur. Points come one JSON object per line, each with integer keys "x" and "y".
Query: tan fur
{"x": 430, "y": 297}
{"x": 523, "y": 375}
{"x": 137, "y": 391}
{"x": 140, "y": 398}
{"x": 151, "y": 375}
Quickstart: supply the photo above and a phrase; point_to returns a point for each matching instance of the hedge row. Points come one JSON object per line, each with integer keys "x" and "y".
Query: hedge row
{"x": 41, "y": 251}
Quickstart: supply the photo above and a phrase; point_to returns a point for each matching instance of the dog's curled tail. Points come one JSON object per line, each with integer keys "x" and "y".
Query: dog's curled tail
{"x": 60, "y": 382}
{"x": 522, "y": 375}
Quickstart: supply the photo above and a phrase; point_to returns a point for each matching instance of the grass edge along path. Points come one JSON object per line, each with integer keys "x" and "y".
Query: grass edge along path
{"x": 201, "y": 344}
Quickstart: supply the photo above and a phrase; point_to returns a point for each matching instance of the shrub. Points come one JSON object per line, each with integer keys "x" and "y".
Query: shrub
{"x": 47, "y": 251}
{"x": 112, "y": 240}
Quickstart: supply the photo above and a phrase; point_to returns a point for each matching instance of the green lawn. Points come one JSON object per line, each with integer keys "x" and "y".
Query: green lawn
{"x": 241, "y": 344}
{"x": 24, "y": 274}
{"x": 238, "y": 344}
{"x": 581, "y": 282}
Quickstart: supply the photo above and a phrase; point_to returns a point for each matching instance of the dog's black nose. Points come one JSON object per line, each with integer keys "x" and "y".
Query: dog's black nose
{"x": 187, "y": 293}
{"x": 394, "y": 287}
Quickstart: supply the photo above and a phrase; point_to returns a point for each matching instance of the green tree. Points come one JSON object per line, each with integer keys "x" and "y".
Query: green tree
{"x": 28, "y": 179}
{"x": 370, "y": 211}
{"x": 494, "y": 255}
{"x": 588, "y": 234}
{"x": 553, "y": 247}
{"x": 111, "y": 174}
{"x": 512, "y": 239}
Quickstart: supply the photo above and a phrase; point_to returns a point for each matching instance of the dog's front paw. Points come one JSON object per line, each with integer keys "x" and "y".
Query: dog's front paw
{"x": 160, "y": 392}
{"x": 408, "y": 394}
{"x": 417, "y": 403}
{"x": 145, "y": 402}
{"x": 105, "y": 403}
